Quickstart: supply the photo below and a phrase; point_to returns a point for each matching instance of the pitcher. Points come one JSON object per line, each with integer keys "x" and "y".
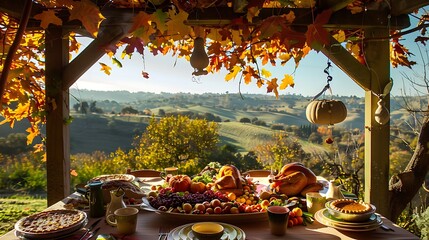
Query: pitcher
{"x": 334, "y": 192}
{"x": 116, "y": 201}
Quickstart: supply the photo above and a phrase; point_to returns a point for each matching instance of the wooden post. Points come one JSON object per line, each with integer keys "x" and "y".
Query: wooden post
{"x": 57, "y": 101}
{"x": 377, "y": 55}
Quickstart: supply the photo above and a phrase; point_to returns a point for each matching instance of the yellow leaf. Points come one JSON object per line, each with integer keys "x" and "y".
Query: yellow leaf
{"x": 88, "y": 14}
{"x": 47, "y": 17}
{"x": 176, "y": 25}
{"x": 285, "y": 57}
{"x": 106, "y": 69}
{"x": 21, "y": 110}
{"x": 235, "y": 70}
{"x": 287, "y": 81}
{"x": 32, "y": 133}
{"x": 265, "y": 73}
{"x": 340, "y": 36}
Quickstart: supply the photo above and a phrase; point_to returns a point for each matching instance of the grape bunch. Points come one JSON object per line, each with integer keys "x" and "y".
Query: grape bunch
{"x": 171, "y": 199}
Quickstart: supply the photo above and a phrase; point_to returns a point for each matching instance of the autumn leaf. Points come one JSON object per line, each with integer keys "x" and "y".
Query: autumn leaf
{"x": 160, "y": 17}
{"x": 340, "y": 36}
{"x": 233, "y": 73}
{"x": 287, "y": 81}
{"x": 32, "y": 133}
{"x": 134, "y": 44}
{"x": 116, "y": 62}
{"x": 142, "y": 27}
{"x": 88, "y": 14}
{"x": 272, "y": 87}
{"x": 106, "y": 69}
{"x": 316, "y": 35}
{"x": 252, "y": 12}
{"x": 265, "y": 73}
{"x": 176, "y": 24}
{"x": 48, "y": 17}
{"x": 145, "y": 74}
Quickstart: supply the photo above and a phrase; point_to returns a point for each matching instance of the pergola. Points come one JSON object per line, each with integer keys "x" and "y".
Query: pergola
{"x": 377, "y": 23}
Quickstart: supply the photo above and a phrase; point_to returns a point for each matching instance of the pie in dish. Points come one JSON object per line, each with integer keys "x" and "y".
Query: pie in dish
{"x": 51, "y": 221}
{"x": 113, "y": 177}
{"x": 350, "y": 206}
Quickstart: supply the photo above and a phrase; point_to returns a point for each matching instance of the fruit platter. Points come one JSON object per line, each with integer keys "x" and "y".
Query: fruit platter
{"x": 225, "y": 195}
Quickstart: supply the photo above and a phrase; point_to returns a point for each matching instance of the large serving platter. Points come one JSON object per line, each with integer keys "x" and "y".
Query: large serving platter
{"x": 184, "y": 232}
{"x": 326, "y": 219}
{"x": 54, "y": 234}
{"x": 189, "y": 218}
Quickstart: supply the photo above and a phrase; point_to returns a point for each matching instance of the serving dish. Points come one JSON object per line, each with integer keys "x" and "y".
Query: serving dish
{"x": 184, "y": 232}
{"x": 21, "y": 232}
{"x": 350, "y": 217}
{"x": 190, "y": 218}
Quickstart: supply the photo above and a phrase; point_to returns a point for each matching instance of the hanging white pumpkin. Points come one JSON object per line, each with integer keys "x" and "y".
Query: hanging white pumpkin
{"x": 326, "y": 112}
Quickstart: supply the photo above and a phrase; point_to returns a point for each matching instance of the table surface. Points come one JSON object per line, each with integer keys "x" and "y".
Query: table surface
{"x": 149, "y": 224}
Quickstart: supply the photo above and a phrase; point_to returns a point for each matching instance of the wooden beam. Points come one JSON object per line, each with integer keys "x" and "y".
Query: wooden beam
{"x": 406, "y": 6}
{"x": 348, "y": 64}
{"x": 14, "y": 8}
{"x": 377, "y": 137}
{"x": 57, "y": 132}
{"x": 342, "y": 19}
{"x": 92, "y": 53}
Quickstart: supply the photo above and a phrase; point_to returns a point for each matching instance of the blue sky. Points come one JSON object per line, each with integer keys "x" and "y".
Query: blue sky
{"x": 171, "y": 74}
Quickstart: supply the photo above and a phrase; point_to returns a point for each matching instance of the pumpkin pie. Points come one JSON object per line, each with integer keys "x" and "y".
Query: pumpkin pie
{"x": 350, "y": 206}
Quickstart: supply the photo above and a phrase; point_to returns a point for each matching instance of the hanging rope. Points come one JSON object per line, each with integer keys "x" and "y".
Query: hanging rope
{"x": 329, "y": 79}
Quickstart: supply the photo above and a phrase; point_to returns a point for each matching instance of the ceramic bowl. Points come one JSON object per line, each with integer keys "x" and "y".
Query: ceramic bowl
{"x": 350, "y": 217}
{"x": 207, "y": 230}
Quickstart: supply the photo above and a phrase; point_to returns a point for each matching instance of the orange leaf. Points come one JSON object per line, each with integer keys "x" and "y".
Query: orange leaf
{"x": 272, "y": 87}
{"x": 317, "y": 35}
{"x": 287, "y": 81}
{"x": 47, "y": 17}
{"x": 88, "y": 14}
{"x": 142, "y": 27}
{"x": 106, "y": 69}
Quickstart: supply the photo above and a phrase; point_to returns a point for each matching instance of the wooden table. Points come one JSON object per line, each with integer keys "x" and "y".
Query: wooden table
{"x": 149, "y": 224}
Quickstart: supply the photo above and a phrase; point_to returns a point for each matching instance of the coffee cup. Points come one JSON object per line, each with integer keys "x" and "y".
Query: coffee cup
{"x": 125, "y": 220}
{"x": 315, "y": 202}
{"x": 278, "y": 217}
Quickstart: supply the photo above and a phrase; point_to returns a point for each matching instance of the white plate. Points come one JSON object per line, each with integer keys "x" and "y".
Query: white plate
{"x": 321, "y": 217}
{"x": 184, "y": 232}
